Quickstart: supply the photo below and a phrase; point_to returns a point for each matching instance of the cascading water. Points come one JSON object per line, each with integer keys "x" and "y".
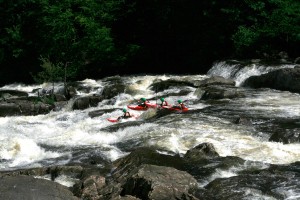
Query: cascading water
{"x": 240, "y": 72}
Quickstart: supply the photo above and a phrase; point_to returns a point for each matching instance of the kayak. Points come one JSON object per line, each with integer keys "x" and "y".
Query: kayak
{"x": 137, "y": 107}
{"x": 151, "y": 105}
{"x": 115, "y": 119}
{"x": 175, "y": 108}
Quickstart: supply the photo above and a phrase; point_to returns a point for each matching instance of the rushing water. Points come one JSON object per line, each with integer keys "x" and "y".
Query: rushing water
{"x": 70, "y": 135}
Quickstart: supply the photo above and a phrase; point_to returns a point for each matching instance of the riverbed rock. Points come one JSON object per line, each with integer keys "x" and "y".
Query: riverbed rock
{"x": 283, "y": 79}
{"x": 158, "y": 182}
{"x": 214, "y": 80}
{"x": 29, "y": 188}
{"x": 201, "y": 151}
{"x": 23, "y": 108}
{"x": 163, "y": 85}
{"x": 12, "y": 94}
{"x": 82, "y": 103}
{"x": 113, "y": 90}
{"x": 216, "y": 92}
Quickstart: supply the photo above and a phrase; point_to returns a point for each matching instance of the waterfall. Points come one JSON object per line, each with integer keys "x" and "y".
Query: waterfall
{"x": 239, "y": 72}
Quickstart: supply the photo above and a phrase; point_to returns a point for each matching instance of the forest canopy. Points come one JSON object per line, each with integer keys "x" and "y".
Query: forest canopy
{"x": 96, "y": 38}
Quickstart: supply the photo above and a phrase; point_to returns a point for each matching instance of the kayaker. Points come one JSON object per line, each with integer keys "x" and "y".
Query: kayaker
{"x": 163, "y": 102}
{"x": 180, "y": 105}
{"x": 143, "y": 102}
{"x": 126, "y": 114}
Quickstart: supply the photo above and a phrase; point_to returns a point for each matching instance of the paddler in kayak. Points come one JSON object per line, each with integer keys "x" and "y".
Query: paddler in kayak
{"x": 126, "y": 114}
{"x": 180, "y": 105}
{"x": 163, "y": 102}
{"x": 143, "y": 102}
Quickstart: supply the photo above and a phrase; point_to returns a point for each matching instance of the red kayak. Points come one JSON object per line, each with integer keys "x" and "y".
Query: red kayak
{"x": 175, "y": 108}
{"x": 137, "y": 107}
{"x": 115, "y": 119}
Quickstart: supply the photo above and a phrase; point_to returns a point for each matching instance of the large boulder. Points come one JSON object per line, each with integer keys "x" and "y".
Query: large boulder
{"x": 29, "y": 188}
{"x": 216, "y": 92}
{"x": 158, "y": 182}
{"x": 282, "y": 79}
{"x": 113, "y": 90}
{"x": 82, "y": 103}
{"x": 24, "y": 108}
{"x": 163, "y": 85}
{"x": 7, "y": 94}
{"x": 201, "y": 151}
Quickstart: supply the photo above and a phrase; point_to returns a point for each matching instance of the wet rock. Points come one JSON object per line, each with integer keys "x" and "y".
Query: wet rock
{"x": 143, "y": 156}
{"x": 157, "y": 182}
{"x": 243, "y": 121}
{"x": 221, "y": 92}
{"x": 256, "y": 186}
{"x": 7, "y": 94}
{"x": 164, "y": 85}
{"x": 97, "y": 113}
{"x": 286, "y": 136}
{"x": 214, "y": 80}
{"x": 24, "y": 108}
{"x": 113, "y": 90}
{"x": 9, "y": 109}
{"x": 28, "y": 188}
{"x": 89, "y": 186}
{"x": 82, "y": 103}
{"x": 282, "y": 79}
{"x": 201, "y": 151}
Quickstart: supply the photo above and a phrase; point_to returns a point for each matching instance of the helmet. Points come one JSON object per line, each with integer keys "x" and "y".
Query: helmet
{"x": 162, "y": 99}
{"x": 179, "y": 101}
{"x": 124, "y": 110}
{"x": 143, "y": 99}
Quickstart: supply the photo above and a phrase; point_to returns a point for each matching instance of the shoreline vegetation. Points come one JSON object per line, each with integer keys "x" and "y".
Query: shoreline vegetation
{"x": 73, "y": 40}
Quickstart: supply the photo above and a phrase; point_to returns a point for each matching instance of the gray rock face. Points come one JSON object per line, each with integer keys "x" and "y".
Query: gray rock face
{"x": 282, "y": 79}
{"x": 29, "y": 188}
{"x": 158, "y": 182}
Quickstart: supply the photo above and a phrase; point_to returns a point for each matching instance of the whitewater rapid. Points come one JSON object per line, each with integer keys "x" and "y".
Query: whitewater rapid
{"x": 52, "y": 139}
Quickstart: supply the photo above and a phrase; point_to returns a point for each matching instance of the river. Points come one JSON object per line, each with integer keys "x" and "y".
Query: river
{"x": 70, "y": 135}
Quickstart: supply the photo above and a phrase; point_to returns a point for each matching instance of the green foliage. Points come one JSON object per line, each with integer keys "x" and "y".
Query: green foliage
{"x": 274, "y": 24}
{"x": 86, "y": 38}
{"x": 49, "y": 100}
{"x": 50, "y": 73}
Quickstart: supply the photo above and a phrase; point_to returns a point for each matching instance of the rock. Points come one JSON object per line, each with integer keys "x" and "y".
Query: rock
{"x": 9, "y": 109}
{"x": 141, "y": 156}
{"x": 157, "y": 182}
{"x": 97, "y": 113}
{"x": 113, "y": 90}
{"x": 221, "y": 92}
{"x": 163, "y": 85}
{"x": 89, "y": 187}
{"x": 214, "y": 80}
{"x": 12, "y": 94}
{"x": 82, "y": 103}
{"x": 201, "y": 151}
{"x": 243, "y": 121}
{"x": 28, "y": 188}
{"x": 283, "y": 79}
